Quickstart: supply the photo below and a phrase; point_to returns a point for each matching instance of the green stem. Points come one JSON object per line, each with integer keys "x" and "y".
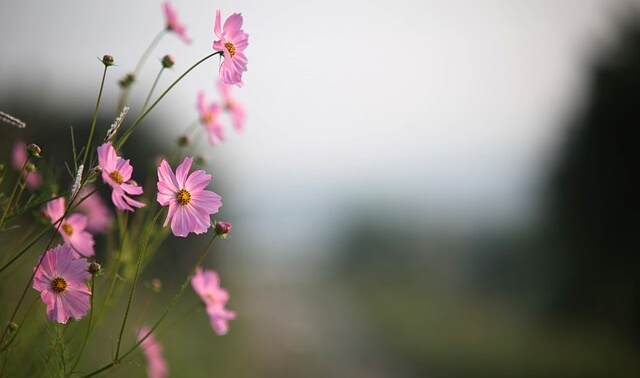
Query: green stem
{"x": 89, "y": 326}
{"x": 135, "y": 280}
{"x": 164, "y": 314}
{"x": 13, "y": 193}
{"x": 153, "y": 87}
{"x": 136, "y": 70}
{"x": 95, "y": 117}
{"x": 126, "y": 135}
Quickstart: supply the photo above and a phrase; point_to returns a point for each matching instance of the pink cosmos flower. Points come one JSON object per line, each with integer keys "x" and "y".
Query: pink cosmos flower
{"x": 210, "y": 117}
{"x": 99, "y": 216}
{"x": 189, "y": 204}
{"x": 72, "y": 228}
{"x": 61, "y": 281}
{"x": 18, "y": 158}
{"x": 232, "y": 105}
{"x": 116, "y": 172}
{"x": 207, "y": 285}
{"x": 152, "y": 349}
{"x": 173, "y": 23}
{"x": 233, "y": 40}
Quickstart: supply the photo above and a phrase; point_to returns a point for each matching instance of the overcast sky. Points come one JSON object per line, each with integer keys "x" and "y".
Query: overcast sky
{"x": 439, "y": 106}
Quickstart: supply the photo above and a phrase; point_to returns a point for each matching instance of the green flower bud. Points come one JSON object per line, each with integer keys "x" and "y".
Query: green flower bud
{"x": 167, "y": 61}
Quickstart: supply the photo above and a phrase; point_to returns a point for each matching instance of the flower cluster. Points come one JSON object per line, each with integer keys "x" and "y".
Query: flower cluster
{"x": 84, "y": 241}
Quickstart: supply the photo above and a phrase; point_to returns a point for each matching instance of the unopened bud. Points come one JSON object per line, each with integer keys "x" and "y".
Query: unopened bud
{"x": 30, "y": 167}
{"x": 156, "y": 285}
{"x": 107, "y": 60}
{"x": 34, "y": 150}
{"x": 201, "y": 160}
{"x": 183, "y": 141}
{"x": 167, "y": 61}
{"x": 222, "y": 228}
{"x": 94, "y": 268}
{"x": 13, "y": 326}
{"x": 126, "y": 81}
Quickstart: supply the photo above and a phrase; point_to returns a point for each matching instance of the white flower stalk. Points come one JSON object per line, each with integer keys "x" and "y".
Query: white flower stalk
{"x": 116, "y": 125}
{"x": 76, "y": 183}
{"x": 8, "y": 118}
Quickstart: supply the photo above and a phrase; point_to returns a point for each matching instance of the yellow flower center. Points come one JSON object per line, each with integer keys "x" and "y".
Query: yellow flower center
{"x": 67, "y": 229}
{"x": 231, "y": 48}
{"x": 116, "y": 176}
{"x": 184, "y": 197}
{"x": 211, "y": 297}
{"x": 59, "y": 285}
{"x": 208, "y": 117}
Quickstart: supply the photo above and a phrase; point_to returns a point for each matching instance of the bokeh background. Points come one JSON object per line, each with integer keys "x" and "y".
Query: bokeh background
{"x": 423, "y": 188}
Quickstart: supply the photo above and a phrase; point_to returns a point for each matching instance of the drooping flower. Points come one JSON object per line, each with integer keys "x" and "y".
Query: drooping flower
{"x": 210, "y": 118}
{"x": 18, "y": 159}
{"x": 173, "y": 23}
{"x": 99, "y": 216}
{"x": 190, "y": 205}
{"x": 156, "y": 365}
{"x": 61, "y": 281}
{"x": 207, "y": 286}
{"x": 72, "y": 228}
{"x": 230, "y": 104}
{"x": 116, "y": 172}
{"x": 233, "y": 40}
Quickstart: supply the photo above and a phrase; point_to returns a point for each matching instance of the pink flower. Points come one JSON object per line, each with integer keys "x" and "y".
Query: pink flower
{"x": 189, "y": 204}
{"x": 152, "y": 349}
{"x": 99, "y": 216}
{"x": 71, "y": 228}
{"x": 233, "y": 40}
{"x": 210, "y": 117}
{"x": 61, "y": 281}
{"x": 18, "y": 158}
{"x": 207, "y": 285}
{"x": 116, "y": 172}
{"x": 232, "y": 105}
{"x": 173, "y": 23}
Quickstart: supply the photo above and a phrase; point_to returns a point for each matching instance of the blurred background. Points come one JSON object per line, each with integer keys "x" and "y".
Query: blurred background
{"x": 423, "y": 188}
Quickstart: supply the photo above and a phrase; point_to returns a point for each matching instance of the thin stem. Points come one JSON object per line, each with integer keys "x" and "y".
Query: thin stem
{"x": 89, "y": 326}
{"x": 153, "y": 87}
{"x": 13, "y": 193}
{"x": 135, "y": 280}
{"x": 95, "y": 117}
{"x": 123, "y": 228}
{"x": 127, "y": 133}
{"x": 164, "y": 314}
{"x": 136, "y": 70}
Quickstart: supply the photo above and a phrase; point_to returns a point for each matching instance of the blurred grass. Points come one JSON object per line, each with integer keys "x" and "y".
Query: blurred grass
{"x": 448, "y": 333}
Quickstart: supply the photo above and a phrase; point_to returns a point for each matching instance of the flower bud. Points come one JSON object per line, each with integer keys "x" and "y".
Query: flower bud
{"x": 201, "y": 160}
{"x": 126, "y": 81}
{"x": 222, "y": 228}
{"x": 107, "y": 60}
{"x": 156, "y": 285}
{"x": 34, "y": 150}
{"x": 183, "y": 141}
{"x": 13, "y": 326}
{"x": 167, "y": 61}
{"x": 94, "y": 268}
{"x": 30, "y": 167}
